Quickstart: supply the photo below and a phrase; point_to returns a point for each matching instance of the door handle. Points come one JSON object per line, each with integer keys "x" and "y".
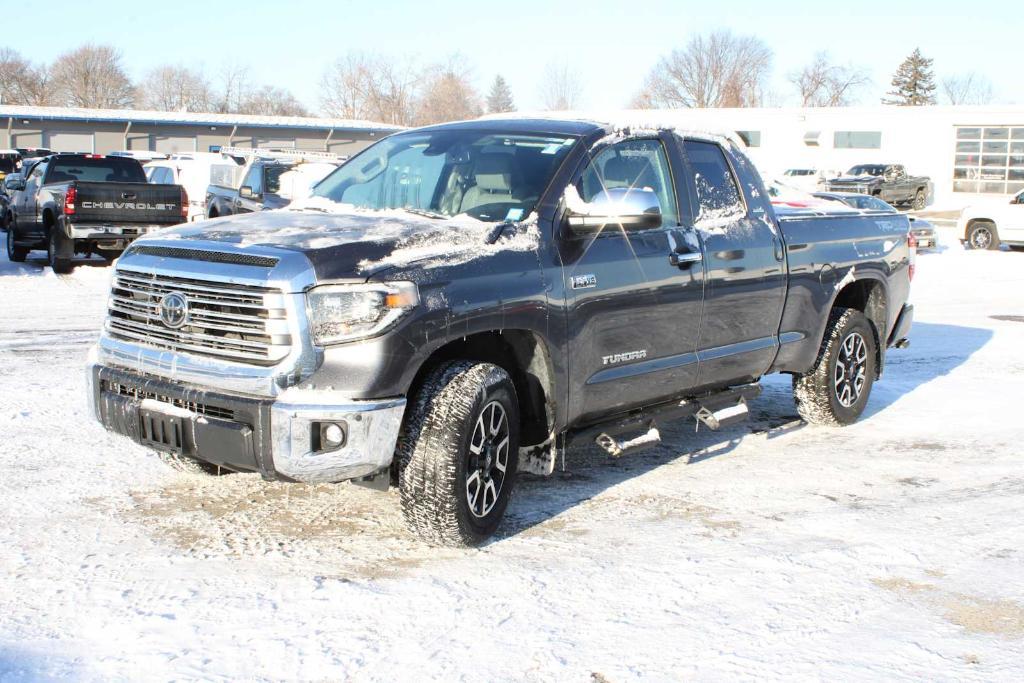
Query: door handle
{"x": 684, "y": 259}
{"x": 779, "y": 253}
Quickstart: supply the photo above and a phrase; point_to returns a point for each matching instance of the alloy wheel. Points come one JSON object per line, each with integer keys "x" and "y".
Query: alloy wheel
{"x": 981, "y": 238}
{"x": 851, "y": 369}
{"x": 488, "y": 459}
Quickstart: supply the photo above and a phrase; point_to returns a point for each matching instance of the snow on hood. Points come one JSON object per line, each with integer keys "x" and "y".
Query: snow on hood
{"x": 343, "y": 241}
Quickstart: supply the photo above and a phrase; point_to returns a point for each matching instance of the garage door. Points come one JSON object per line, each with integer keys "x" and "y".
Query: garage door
{"x": 70, "y": 142}
{"x": 174, "y": 145}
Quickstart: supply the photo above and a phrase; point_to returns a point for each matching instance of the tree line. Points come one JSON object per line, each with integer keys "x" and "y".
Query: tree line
{"x": 717, "y": 69}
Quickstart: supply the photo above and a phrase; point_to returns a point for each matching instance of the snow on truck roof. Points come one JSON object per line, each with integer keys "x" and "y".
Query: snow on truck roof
{"x": 188, "y": 118}
{"x": 630, "y": 119}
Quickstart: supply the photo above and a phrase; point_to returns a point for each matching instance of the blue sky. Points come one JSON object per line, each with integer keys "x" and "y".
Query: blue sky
{"x": 612, "y": 44}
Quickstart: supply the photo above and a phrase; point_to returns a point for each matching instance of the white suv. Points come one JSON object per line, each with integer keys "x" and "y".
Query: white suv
{"x": 985, "y": 226}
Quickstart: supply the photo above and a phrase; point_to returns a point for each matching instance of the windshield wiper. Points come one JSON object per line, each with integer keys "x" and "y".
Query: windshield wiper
{"x": 426, "y": 213}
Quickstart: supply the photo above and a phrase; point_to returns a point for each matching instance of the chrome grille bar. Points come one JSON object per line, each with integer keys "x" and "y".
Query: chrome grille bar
{"x": 229, "y": 321}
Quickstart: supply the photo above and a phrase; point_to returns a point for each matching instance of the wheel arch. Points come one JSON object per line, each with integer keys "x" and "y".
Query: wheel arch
{"x": 971, "y": 222}
{"x": 525, "y": 355}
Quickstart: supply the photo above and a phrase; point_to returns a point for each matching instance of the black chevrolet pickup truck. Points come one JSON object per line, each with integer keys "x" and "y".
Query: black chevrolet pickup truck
{"x": 458, "y": 303}
{"x": 888, "y": 182}
{"x": 88, "y": 203}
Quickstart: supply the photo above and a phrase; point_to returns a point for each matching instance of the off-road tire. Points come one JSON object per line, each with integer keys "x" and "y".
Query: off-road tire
{"x": 816, "y": 395}
{"x": 919, "y": 200}
{"x": 191, "y": 466}
{"x": 982, "y": 235}
{"x": 59, "y": 265}
{"x": 435, "y": 463}
{"x": 15, "y": 253}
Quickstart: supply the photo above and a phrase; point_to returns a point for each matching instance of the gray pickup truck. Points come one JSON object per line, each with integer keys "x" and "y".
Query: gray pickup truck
{"x": 87, "y": 203}
{"x": 458, "y": 303}
{"x": 888, "y": 182}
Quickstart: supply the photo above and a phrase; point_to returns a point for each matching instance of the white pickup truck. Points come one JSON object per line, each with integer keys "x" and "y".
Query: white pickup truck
{"x": 986, "y": 226}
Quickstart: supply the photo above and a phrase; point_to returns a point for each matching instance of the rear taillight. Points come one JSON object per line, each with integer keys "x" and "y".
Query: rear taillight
{"x": 184, "y": 204}
{"x": 912, "y": 243}
{"x": 70, "y": 195}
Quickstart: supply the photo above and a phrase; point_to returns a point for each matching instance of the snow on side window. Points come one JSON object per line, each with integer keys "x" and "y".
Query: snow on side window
{"x": 717, "y": 194}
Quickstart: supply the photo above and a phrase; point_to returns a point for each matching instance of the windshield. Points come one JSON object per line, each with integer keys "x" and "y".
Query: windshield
{"x": 96, "y": 169}
{"x": 868, "y": 203}
{"x": 489, "y": 176}
{"x": 867, "y": 169}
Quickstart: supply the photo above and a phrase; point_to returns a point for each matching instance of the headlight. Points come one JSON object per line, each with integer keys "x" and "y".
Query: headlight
{"x": 342, "y": 313}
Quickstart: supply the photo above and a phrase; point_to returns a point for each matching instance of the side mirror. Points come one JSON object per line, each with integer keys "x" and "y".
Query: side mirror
{"x": 246, "y": 192}
{"x": 14, "y": 182}
{"x": 633, "y": 209}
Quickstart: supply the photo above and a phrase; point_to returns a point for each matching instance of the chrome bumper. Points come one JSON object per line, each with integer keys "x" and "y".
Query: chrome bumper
{"x": 281, "y": 447}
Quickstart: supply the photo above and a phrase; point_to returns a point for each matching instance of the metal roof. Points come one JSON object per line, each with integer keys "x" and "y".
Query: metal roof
{"x": 187, "y": 118}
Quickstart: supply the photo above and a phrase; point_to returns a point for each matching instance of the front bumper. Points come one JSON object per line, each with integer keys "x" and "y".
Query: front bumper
{"x": 277, "y": 437}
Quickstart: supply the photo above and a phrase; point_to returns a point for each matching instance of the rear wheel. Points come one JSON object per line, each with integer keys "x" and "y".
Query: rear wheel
{"x": 983, "y": 235}
{"x": 919, "y": 200}
{"x": 836, "y": 390}
{"x": 14, "y": 252}
{"x": 458, "y": 454}
{"x": 53, "y": 247}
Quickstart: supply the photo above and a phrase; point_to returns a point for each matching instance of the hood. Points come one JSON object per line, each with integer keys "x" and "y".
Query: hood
{"x": 353, "y": 244}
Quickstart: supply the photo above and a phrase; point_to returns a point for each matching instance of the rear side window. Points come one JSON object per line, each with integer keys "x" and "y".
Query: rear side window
{"x": 717, "y": 193}
{"x": 101, "y": 170}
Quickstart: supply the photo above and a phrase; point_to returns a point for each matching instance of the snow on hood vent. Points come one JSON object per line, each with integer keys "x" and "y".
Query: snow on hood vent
{"x": 203, "y": 255}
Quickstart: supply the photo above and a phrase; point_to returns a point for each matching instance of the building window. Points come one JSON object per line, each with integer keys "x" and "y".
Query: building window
{"x": 751, "y": 138}
{"x": 857, "y": 139}
{"x": 989, "y": 160}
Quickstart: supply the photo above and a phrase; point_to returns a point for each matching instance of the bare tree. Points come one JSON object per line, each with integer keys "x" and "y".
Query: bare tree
{"x": 366, "y": 86}
{"x": 447, "y": 94}
{"x": 969, "y": 88}
{"x": 91, "y": 76}
{"x": 271, "y": 101}
{"x": 21, "y": 82}
{"x": 824, "y": 84}
{"x": 715, "y": 70}
{"x": 561, "y": 87}
{"x": 175, "y": 88}
{"x": 232, "y": 89}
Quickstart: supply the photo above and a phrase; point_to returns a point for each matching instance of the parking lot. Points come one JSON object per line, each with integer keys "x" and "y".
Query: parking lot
{"x": 891, "y": 549}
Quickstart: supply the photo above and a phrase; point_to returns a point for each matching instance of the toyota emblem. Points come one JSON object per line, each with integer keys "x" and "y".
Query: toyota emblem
{"x": 174, "y": 310}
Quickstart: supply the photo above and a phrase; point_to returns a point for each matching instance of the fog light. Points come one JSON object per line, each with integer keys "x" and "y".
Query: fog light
{"x": 332, "y": 436}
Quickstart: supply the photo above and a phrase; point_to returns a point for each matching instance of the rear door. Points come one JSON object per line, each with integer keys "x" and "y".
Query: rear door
{"x": 634, "y": 317}
{"x": 743, "y": 254}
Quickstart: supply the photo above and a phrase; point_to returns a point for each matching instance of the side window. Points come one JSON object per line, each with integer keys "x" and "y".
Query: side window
{"x": 637, "y": 164}
{"x": 37, "y": 174}
{"x": 254, "y": 179}
{"x": 717, "y": 193}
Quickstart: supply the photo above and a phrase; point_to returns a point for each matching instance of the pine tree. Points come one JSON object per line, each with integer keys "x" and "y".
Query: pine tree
{"x": 500, "y": 98}
{"x": 914, "y": 83}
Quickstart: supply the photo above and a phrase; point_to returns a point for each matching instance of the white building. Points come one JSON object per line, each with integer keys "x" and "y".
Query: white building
{"x": 970, "y": 153}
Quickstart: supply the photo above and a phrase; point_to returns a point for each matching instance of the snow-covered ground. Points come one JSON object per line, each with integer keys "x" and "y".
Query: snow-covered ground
{"x": 893, "y": 549}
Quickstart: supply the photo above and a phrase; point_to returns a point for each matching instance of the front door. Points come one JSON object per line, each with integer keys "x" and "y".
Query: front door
{"x": 745, "y": 287}
{"x": 634, "y": 317}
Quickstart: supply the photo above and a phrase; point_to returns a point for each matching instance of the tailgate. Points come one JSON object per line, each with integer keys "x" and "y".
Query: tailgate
{"x": 128, "y": 203}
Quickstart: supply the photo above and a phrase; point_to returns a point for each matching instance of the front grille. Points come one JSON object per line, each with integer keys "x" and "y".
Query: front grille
{"x": 196, "y": 407}
{"x": 242, "y": 323}
{"x": 204, "y": 255}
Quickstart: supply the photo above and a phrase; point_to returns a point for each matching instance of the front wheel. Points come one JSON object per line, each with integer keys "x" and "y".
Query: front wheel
{"x": 15, "y": 253}
{"x": 836, "y": 389}
{"x": 983, "y": 235}
{"x": 458, "y": 453}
